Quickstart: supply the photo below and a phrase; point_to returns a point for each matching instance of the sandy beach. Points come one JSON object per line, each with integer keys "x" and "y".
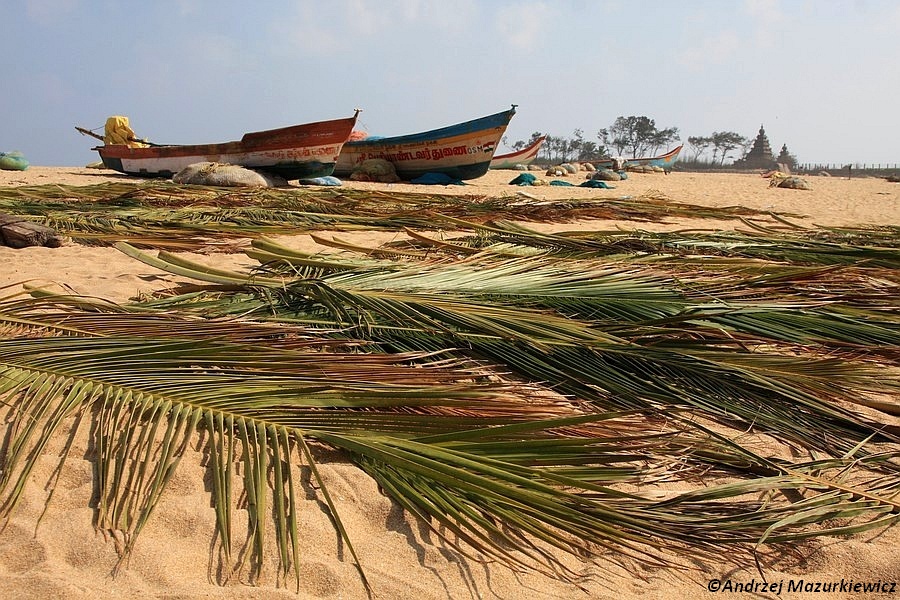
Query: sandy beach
{"x": 63, "y": 556}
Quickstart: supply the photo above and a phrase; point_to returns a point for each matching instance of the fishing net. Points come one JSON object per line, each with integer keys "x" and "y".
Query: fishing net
{"x": 375, "y": 169}
{"x": 218, "y": 174}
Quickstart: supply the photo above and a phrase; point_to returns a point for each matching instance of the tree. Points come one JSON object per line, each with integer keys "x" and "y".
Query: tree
{"x": 520, "y": 144}
{"x": 583, "y": 149}
{"x": 724, "y": 142}
{"x": 631, "y": 133}
{"x": 555, "y": 149}
{"x": 663, "y": 138}
{"x": 700, "y": 145}
{"x": 638, "y": 135}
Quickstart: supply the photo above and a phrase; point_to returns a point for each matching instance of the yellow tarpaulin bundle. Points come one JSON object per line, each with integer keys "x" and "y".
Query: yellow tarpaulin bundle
{"x": 118, "y": 131}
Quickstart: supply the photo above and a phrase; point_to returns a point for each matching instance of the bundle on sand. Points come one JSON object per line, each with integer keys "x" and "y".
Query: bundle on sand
{"x": 793, "y": 183}
{"x": 557, "y": 171}
{"x": 606, "y": 175}
{"x": 375, "y": 169}
{"x": 13, "y": 161}
{"x": 218, "y": 174}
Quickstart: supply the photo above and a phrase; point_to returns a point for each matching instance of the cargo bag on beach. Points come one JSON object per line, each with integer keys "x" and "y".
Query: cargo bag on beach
{"x": 14, "y": 161}
{"x": 225, "y": 175}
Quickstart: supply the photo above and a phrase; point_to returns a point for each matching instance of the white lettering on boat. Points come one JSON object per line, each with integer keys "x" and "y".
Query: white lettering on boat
{"x": 294, "y": 153}
{"x": 428, "y": 153}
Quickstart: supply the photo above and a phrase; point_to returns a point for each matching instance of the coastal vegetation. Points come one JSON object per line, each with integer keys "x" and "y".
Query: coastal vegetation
{"x": 634, "y": 136}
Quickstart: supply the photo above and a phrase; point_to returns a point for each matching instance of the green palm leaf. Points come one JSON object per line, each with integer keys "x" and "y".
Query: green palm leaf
{"x": 577, "y": 356}
{"x": 502, "y": 468}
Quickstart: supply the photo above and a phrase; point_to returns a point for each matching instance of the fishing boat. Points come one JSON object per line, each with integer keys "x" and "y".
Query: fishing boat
{"x": 461, "y": 151}
{"x": 665, "y": 161}
{"x": 525, "y": 156}
{"x": 294, "y": 152}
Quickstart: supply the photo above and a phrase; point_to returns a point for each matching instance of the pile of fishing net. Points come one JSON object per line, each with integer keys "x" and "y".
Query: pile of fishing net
{"x": 375, "y": 169}
{"x": 783, "y": 180}
{"x": 218, "y": 174}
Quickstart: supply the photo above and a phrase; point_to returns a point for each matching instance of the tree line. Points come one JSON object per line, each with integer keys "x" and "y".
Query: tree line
{"x": 633, "y": 137}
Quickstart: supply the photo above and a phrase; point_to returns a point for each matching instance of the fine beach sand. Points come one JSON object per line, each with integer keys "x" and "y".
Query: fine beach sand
{"x": 63, "y": 557}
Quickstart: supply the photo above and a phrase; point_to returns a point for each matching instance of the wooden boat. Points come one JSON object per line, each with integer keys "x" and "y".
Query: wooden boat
{"x": 461, "y": 151}
{"x": 665, "y": 161}
{"x": 294, "y": 152}
{"x": 525, "y": 156}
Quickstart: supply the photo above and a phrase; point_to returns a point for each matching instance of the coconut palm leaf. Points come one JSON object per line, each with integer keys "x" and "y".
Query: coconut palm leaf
{"x": 149, "y": 396}
{"x": 871, "y": 247}
{"x": 629, "y": 294}
{"x": 204, "y": 217}
{"x": 792, "y": 396}
{"x": 637, "y": 302}
{"x": 500, "y": 467}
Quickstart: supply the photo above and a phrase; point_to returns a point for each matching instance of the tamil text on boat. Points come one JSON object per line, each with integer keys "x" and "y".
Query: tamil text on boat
{"x": 461, "y": 151}
{"x": 294, "y": 152}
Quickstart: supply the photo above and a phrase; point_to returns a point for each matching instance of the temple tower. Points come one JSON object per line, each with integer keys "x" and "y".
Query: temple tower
{"x": 786, "y": 158}
{"x": 760, "y": 155}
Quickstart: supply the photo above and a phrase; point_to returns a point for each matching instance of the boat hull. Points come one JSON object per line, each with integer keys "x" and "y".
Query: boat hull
{"x": 462, "y": 151}
{"x": 295, "y": 152}
{"x": 665, "y": 161}
{"x": 525, "y": 156}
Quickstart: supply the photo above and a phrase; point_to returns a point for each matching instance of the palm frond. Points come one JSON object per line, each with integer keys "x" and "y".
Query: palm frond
{"x": 501, "y": 467}
{"x": 575, "y": 356}
{"x": 167, "y": 215}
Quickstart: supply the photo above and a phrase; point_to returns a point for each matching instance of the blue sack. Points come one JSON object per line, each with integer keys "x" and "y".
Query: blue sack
{"x": 327, "y": 180}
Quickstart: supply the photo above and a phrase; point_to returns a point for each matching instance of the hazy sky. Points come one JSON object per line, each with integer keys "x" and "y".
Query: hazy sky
{"x": 821, "y": 75}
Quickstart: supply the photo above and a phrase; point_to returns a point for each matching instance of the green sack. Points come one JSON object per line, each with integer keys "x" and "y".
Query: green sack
{"x": 523, "y": 179}
{"x": 14, "y": 161}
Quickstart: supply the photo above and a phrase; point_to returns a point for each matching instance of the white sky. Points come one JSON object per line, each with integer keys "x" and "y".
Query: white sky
{"x": 821, "y": 75}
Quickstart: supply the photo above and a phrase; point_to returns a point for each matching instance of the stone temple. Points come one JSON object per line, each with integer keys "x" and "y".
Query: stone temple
{"x": 760, "y": 155}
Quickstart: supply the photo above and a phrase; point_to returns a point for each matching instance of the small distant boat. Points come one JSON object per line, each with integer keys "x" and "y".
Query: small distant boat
{"x": 665, "y": 161}
{"x": 525, "y": 156}
{"x": 295, "y": 152}
{"x": 461, "y": 151}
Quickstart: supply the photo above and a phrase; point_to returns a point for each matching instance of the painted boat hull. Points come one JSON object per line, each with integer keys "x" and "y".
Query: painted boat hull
{"x": 665, "y": 161}
{"x": 525, "y": 156}
{"x": 461, "y": 151}
{"x": 295, "y": 152}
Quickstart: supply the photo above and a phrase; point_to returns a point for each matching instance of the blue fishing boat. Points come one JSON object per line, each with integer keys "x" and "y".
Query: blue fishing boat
{"x": 461, "y": 151}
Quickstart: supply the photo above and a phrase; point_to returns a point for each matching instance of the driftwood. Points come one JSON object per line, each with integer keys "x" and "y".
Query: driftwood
{"x": 18, "y": 232}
